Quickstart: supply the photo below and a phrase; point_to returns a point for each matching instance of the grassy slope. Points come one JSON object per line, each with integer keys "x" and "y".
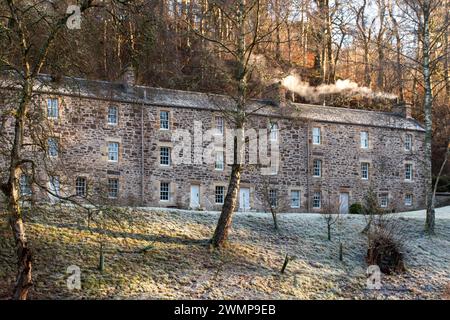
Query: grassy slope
{"x": 180, "y": 264}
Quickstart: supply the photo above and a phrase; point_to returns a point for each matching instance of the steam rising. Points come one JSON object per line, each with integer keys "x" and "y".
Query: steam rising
{"x": 344, "y": 87}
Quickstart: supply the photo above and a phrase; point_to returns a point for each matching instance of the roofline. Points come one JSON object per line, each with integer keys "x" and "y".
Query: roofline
{"x": 140, "y": 101}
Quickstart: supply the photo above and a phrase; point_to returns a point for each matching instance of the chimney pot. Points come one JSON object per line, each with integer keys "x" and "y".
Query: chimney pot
{"x": 403, "y": 109}
{"x": 129, "y": 76}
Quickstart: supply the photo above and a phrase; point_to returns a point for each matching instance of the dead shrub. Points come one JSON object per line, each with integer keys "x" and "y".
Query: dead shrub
{"x": 385, "y": 244}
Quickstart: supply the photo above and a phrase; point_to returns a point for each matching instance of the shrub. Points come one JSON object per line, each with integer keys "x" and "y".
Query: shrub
{"x": 356, "y": 208}
{"x": 385, "y": 246}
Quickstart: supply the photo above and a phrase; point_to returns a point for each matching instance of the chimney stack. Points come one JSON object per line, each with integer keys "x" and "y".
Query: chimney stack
{"x": 278, "y": 93}
{"x": 129, "y": 77}
{"x": 403, "y": 109}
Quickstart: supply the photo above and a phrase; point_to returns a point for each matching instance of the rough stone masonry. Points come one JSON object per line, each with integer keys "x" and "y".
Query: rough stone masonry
{"x": 328, "y": 156}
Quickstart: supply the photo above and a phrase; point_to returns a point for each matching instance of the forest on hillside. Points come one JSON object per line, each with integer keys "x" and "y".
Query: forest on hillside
{"x": 375, "y": 46}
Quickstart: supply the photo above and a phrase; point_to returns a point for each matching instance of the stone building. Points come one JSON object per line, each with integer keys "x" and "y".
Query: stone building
{"x": 116, "y": 143}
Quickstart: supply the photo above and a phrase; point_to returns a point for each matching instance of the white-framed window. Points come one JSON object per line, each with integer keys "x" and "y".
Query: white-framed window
{"x": 408, "y": 142}
{"x": 317, "y": 138}
{"x": 317, "y": 168}
{"x": 273, "y": 198}
{"x": 113, "y": 115}
{"x": 219, "y": 164}
{"x": 219, "y": 125}
{"x": 164, "y": 154}
{"x": 164, "y": 191}
{"x": 164, "y": 120}
{"x": 273, "y": 131}
{"x": 364, "y": 140}
{"x": 52, "y": 108}
{"x": 220, "y": 194}
{"x": 384, "y": 200}
{"x": 54, "y": 188}
{"x": 408, "y": 199}
{"x": 408, "y": 171}
{"x": 113, "y": 188}
{"x": 113, "y": 151}
{"x": 25, "y": 185}
{"x": 295, "y": 199}
{"x": 81, "y": 187}
{"x": 317, "y": 200}
{"x": 52, "y": 147}
{"x": 364, "y": 170}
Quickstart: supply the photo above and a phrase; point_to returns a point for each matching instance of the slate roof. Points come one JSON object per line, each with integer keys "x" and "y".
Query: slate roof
{"x": 188, "y": 99}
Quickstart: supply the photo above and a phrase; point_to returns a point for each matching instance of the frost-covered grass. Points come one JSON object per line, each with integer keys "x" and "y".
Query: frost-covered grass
{"x": 165, "y": 254}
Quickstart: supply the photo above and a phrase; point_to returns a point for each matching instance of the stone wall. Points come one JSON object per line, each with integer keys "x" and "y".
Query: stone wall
{"x": 84, "y": 134}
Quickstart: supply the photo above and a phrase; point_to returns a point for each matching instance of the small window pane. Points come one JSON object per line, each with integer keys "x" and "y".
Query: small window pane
{"x": 52, "y": 108}
{"x": 317, "y": 200}
{"x": 164, "y": 191}
{"x": 112, "y": 115}
{"x": 25, "y": 185}
{"x": 80, "y": 187}
{"x": 52, "y": 147}
{"x": 165, "y": 156}
{"x": 383, "y": 200}
{"x": 364, "y": 140}
{"x": 408, "y": 171}
{"x": 408, "y": 200}
{"x": 273, "y": 131}
{"x": 113, "y": 187}
{"x": 219, "y": 165}
{"x": 219, "y": 195}
{"x": 273, "y": 198}
{"x": 316, "y": 136}
{"x": 408, "y": 142}
{"x": 164, "y": 120}
{"x": 364, "y": 170}
{"x": 219, "y": 125}
{"x": 317, "y": 170}
{"x": 295, "y": 199}
{"x": 113, "y": 151}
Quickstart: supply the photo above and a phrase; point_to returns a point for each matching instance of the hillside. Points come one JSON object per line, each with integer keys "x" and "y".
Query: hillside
{"x": 165, "y": 254}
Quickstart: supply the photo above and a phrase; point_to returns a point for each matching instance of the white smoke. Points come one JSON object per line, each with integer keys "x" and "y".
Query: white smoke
{"x": 344, "y": 87}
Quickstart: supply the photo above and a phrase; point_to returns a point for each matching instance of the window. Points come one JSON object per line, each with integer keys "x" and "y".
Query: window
{"x": 317, "y": 203}
{"x": 164, "y": 191}
{"x": 52, "y": 147}
{"x": 164, "y": 120}
{"x": 220, "y": 192}
{"x": 317, "y": 139}
{"x": 364, "y": 140}
{"x": 25, "y": 185}
{"x": 219, "y": 160}
{"x": 80, "y": 187}
{"x": 408, "y": 142}
{"x": 408, "y": 200}
{"x": 273, "y": 199}
{"x": 273, "y": 131}
{"x": 408, "y": 171}
{"x": 164, "y": 156}
{"x": 295, "y": 199}
{"x": 52, "y": 108}
{"x": 383, "y": 200}
{"x": 113, "y": 187}
{"x": 317, "y": 168}
{"x": 364, "y": 170}
{"x": 219, "y": 125}
{"x": 54, "y": 188}
{"x": 113, "y": 151}
{"x": 112, "y": 115}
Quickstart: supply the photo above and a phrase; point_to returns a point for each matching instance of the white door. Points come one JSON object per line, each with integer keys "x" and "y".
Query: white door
{"x": 244, "y": 199}
{"x": 343, "y": 203}
{"x": 195, "y": 196}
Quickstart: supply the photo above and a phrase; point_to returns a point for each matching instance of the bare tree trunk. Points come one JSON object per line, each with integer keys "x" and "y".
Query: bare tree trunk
{"x": 428, "y": 104}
